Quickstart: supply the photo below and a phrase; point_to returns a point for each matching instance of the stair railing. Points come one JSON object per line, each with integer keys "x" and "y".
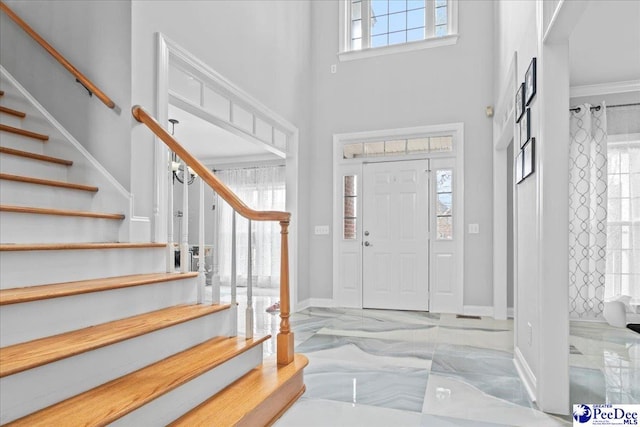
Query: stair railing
{"x": 80, "y": 78}
{"x": 285, "y": 336}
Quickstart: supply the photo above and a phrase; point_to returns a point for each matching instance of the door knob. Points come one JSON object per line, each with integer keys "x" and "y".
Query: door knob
{"x": 366, "y": 233}
{"x": 367, "y": 244}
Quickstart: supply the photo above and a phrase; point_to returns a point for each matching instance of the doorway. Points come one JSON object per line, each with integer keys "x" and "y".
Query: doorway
{"x": 395, "y": 262}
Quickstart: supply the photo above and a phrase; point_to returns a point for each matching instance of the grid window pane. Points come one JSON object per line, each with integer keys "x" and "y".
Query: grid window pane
{"x": 356, "y": 29}
{"x": 440, "y": 3}
{"x": 356, "y": 10}
{"x": 350, "y": 212}
{"x": 356, "y": 44}
{"x": 379, "y": 7}
{"x": 399, "y": 37}
{"x": 397, "y": 6}
{"x": 444, "y": 205}
{"x": 441, "y": 30}
{"x": 395, "y": 147}
{"x": 374, "y": 148}
{"x": 441, "y": 15}
{"x": 377, "y": 41}
{"x": 443, "y": 181}
{"x": 442, "y": 143}
{"x": 415, "y": 18}
{"x": 380, "y": 25}
{"x": 415, "y": 4}
{"x": 415, "y": 35}
{"x": 418, "y": 145}
{"x": 398, "y": 22}
{"x": 349, "y": 151}
{"x": 444, "y": 228}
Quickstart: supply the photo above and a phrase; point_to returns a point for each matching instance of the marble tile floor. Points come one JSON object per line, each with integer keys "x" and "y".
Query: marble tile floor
{"x": 401, "y": 368}
{"x": 394, "y": 368}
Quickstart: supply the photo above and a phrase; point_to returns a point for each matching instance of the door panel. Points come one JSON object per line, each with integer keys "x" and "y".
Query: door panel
{"x": 396, "y": 235}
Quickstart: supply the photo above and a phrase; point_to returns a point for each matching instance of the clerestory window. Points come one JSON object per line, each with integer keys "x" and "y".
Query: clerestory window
{"x": 373, "y": 27}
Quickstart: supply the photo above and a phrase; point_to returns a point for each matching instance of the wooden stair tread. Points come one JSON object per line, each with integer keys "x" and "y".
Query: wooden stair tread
{"x": 57, "y": 290}
{"x": 75, "y": 246}
{"x": 23, "y": 132}
{"x": 12, "y": 112}
{"x": 59, "y": 212}
{"x": 52, "y": 183}
{"x": 20, "y": 357}
{"x": 108, "y": 402}
{"x": 239, "y": 401}
{"x": 27, "y": 154}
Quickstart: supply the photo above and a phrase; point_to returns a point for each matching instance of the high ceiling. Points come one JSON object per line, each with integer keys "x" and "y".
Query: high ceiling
{"x": 209, "y": 142}
{"x": 605, "y": 45}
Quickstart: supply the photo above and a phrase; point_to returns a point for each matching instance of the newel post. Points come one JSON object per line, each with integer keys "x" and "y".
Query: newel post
{"x": 285, "y": 336}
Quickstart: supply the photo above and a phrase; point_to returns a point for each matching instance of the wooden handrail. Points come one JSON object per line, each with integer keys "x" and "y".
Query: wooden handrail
{"x": 88, "y": 84}
{"x": 203, "y": 172}
{"x": 285, "y": 342}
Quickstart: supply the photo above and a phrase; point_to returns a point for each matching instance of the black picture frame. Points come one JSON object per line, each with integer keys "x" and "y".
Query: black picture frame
{"x": 530, "y": 82}
{"x": 520, "y": 102}
{"x": 525, "y": 127}
{"x": 517, "y": 167}
{"x": 529, "y": 158}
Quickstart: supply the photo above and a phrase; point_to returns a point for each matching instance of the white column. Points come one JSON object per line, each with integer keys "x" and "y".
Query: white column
{"x": 201, "y": 258}
{"x": 249, "y": 311}
{"x": 184, "y": 243}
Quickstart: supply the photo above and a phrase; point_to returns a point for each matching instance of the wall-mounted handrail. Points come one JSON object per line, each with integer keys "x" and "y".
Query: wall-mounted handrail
{"x": 88, "y": 84}
{"x": 285, "y": 336}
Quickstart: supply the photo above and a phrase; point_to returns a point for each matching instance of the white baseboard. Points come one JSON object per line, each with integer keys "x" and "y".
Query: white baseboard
{"x": 478, "y": 310}
{"x": 139, "y": 229}
{"x": 315, "y": 302}
{"x": 525, "y": 373}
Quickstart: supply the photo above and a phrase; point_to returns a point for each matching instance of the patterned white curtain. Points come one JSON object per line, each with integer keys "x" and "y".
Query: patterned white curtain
{"x": 261, "y": 188}
{"x": 587, "y": 211}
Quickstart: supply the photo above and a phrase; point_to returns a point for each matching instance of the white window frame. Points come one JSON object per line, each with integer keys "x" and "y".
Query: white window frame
{"x": 346, "y": 54}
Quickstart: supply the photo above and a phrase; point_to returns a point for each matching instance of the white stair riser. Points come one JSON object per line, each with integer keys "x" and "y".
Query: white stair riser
{"x": 44, "y": 196}
{"x": 38, "y": 319}
{"x": 30, "y": 268}
{"x": 11, "y": 120}
{"x": 19, "y": 142}
{"x": 37, "y": 228}
{"x": 174, "y": 404}
{"x": 24, "y": 166}
{"x": 31, "y": 390}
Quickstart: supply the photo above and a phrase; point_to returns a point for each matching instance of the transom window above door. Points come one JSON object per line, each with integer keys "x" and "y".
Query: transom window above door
{"x": 374, "y": 27}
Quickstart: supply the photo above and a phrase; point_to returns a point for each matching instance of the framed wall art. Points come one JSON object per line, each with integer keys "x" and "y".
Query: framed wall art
{"x": 518, "y": 167}
{"x": 519, "y": 102}
{"x": 525, "y": 127}
{"x": 530, "y": 82}
{"x": 528, "y": 158}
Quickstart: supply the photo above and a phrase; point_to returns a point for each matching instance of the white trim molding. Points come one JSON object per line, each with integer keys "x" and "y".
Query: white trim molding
{"x": 526, "y": 374}
{"x": 605, "y": 88}
{"x": 314, "y": 302}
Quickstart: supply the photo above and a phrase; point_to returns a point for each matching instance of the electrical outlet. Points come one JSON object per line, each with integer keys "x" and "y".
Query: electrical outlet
{"x": 334, "y": 68}
{"x": 321, "y": 230}
{"x": 474, "y": 228}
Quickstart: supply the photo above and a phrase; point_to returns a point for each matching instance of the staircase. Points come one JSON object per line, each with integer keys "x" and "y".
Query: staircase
{"x": 93, "y": 331}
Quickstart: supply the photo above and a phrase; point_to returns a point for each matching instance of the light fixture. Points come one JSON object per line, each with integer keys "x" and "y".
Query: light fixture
{"x": 177, "y": 167}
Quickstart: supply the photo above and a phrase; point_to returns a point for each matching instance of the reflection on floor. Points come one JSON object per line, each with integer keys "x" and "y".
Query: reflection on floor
{"x": 395, "y": 368}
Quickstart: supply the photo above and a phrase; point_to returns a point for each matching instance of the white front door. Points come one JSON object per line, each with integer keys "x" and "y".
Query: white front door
{"x": 395, "y": 235}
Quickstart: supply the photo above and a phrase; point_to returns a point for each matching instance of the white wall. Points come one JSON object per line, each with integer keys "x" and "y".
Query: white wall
{"x": 433, "y": 86}
{"x": 262, "y": 47}
{"x": 96, "y": 38}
